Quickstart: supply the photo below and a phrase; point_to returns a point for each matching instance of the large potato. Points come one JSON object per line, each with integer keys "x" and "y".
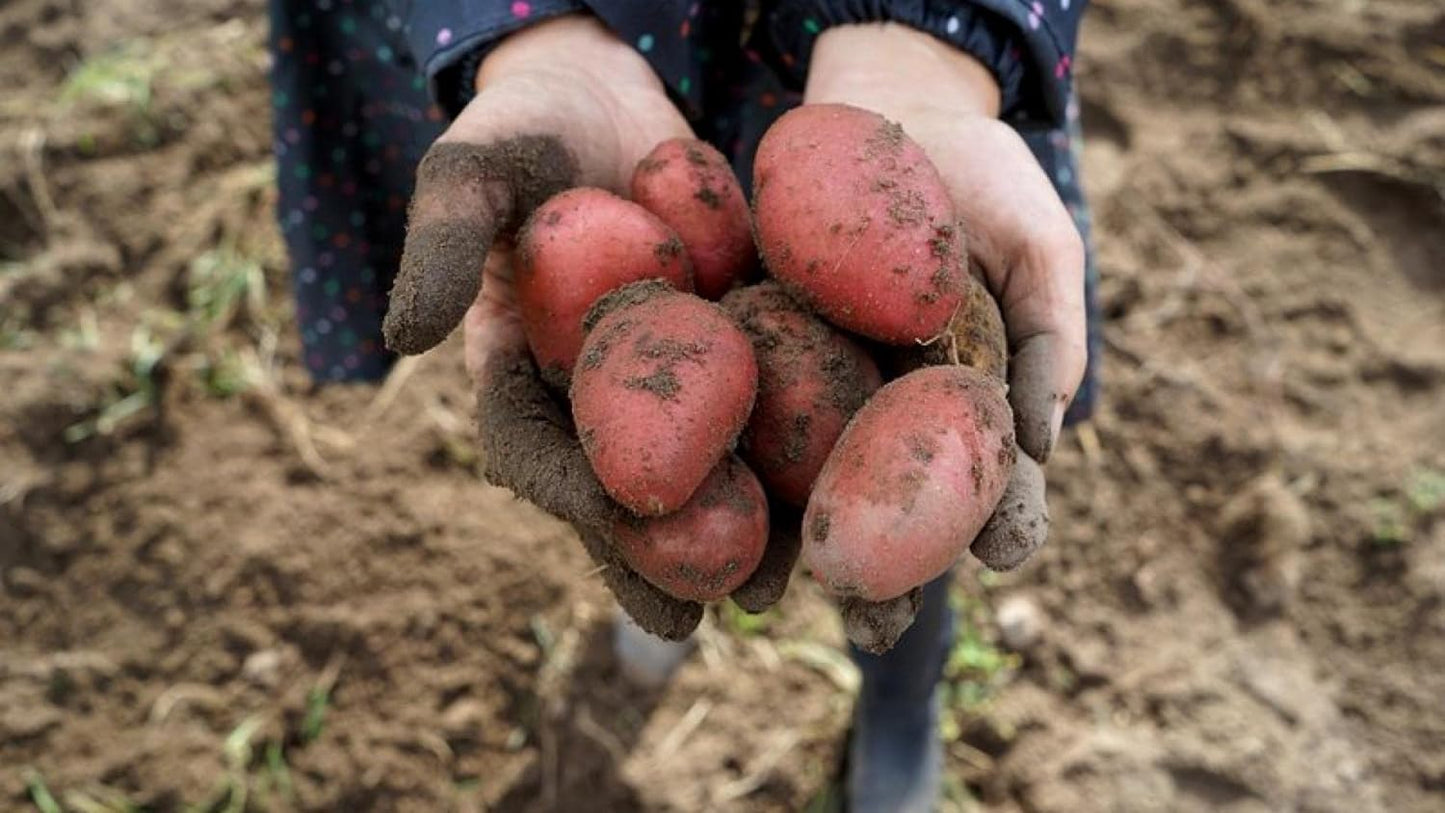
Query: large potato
{"x": 854, "y": 220}
{"x": 709, "y": 546}
{"x": 576, "y": 247}
{"x": 690, "y": 186}
{"x": 664, "y": 385}
{"x": 811, "y": 379}
{"x": 911, "y": 482}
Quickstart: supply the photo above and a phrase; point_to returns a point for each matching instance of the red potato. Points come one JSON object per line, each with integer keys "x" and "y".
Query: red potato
{"x": 855, "y": 221}
{"x": 911, "y": 482}
{"x": 711, "y": 545}
{"x": 576, "y": 247}
{"x": 691, "y": 187}
{"x": 664, "y": 385}
{"x": 811, "y": 379}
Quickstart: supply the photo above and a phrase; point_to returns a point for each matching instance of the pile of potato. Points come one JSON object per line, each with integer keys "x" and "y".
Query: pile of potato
{"x": 702, "y": 395}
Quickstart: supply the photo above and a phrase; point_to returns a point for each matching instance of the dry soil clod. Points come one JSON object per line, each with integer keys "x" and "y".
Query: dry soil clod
{"x": 875, "y": 626}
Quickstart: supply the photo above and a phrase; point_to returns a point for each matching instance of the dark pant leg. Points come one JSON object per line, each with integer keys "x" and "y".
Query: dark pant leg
{"x": 895, "y": 755}
{"x": 352, "y": 119}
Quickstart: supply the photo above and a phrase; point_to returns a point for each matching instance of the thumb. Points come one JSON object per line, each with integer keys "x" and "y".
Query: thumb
{"x": 538, "y": 125}
{"x": 1033, "y": 261}
{"x": 466, "y": 196}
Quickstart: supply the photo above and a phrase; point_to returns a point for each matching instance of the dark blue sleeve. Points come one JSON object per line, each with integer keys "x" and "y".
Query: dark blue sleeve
{"x": 1027, "y": 44}
{"x": 448, "y": 38}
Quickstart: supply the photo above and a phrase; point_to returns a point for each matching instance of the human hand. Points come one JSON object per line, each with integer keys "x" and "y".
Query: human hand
{"x": 560, "y": 104}
{"x": 1021, "y": 240}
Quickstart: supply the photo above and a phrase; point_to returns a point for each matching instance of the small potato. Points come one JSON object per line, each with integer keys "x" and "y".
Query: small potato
{"x": 690, "y": 186}
{"x": 576, "y": 247}
{"x": 975, "y": 338}
{"x": 914, "y": 477}
{"x": 811, "y": 379}
{"x": 664, "y": 385}
{"x": 855, "y": 221}
{"x": 709, "y": 546}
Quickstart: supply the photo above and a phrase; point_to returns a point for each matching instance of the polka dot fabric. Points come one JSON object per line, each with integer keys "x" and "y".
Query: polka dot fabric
{"x": 351, "y": 119}
{"x": 353, "y": 83}
{"x": 1028, "y": 44}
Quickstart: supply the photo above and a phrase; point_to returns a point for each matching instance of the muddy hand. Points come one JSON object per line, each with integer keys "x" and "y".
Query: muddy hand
{"x": 538, "y": 125}
{"x": 1022, "y": 244}
{"x": 1020, "y": 524}
{"x": 529, "y": 447}
{"x": 1018, "y": 231}
{"x": 541, "y": 122}
{"x": 769, "y": 582}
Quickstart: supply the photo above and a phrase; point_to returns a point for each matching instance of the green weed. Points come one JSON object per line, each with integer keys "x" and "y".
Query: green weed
{"x": 976, "y": 668}
{"x": 744, "y": 624}
{"x": 136, "y": 393}
{"x": 233, "y": 790}
{"x": 1396, "y": 518}
{"x": 124, "y": 75}
{"x": 226, "y": 373}
{"x": 1426, "y": 491}
{"x": 1391, "y": 526}
{"x": 317, "y": 701}
{"x": 15, "y": 338}
{"x": 100, "y": 800}
{"x": 39, "y": 793}
{"x": 220, "y": 283}
{"x": 278, "y": 773}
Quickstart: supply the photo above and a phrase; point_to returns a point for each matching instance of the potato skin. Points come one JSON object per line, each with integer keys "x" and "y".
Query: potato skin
{"x": 708, "y": 547}
{"x": 975, "y": 338}
{"x": 811, "y": 379}
{"x": 664, "y": 385}
{"x": 914, "y": 477}
{"x": 576, "y": 247}
{"x": 691, "y": 187}
{"x": 855, "y": 221}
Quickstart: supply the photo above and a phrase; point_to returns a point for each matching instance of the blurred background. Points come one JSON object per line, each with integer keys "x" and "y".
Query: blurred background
{"x": 221, "y": 589}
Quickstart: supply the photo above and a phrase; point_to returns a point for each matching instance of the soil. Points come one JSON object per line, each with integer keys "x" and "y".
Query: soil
{"x": 216, "y": 578}
{"x": 438, "y": 279}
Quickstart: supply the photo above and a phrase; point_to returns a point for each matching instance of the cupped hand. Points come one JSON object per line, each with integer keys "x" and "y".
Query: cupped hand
{"x": 1018, "y": 231}
{"x": 1020, "y": 238}
{"x": 561, "y": 104}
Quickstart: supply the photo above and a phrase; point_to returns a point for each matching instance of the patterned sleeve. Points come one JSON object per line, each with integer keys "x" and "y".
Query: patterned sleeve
{"x": 1027, "y": 44}
{"x": 448, "y": 38}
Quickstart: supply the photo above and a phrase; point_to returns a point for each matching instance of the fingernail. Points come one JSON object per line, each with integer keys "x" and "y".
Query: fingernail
{"x": 1056, "y": 424}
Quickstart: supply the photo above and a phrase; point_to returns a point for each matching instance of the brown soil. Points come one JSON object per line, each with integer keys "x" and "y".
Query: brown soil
{"x": 310, "y": 595}
{"x": 466, "y": 196}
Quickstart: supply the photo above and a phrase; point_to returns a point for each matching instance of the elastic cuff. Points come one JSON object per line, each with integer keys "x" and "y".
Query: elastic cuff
{"x": 452, "y": 65}
{"x": 793, "y": 29}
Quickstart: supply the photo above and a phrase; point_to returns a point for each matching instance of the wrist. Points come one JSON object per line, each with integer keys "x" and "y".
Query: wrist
{"x": 853, "y": 63}
{"x": 559, "y": 44}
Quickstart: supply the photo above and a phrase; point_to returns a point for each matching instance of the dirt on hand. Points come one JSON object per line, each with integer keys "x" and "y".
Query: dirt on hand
{"x": 766, "y": 587}
{"x": 215, "y": 577}
{"x": 467, "y": 196}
